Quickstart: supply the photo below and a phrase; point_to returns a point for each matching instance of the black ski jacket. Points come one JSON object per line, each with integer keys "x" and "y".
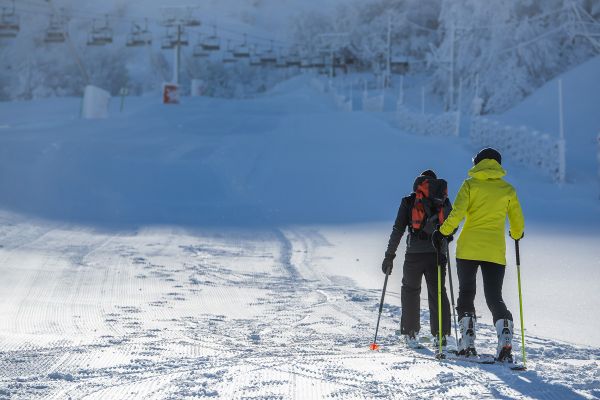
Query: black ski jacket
{"x": 415, "y": 242}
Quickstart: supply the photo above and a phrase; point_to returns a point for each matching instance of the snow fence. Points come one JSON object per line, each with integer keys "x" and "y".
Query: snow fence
{"x": 444, "y": 124}
{"x": 373, "y": 103}
{"x": 525, "y": 146}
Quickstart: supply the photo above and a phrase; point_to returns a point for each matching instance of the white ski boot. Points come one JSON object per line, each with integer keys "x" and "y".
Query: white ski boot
{"x": 504, "y": 329}
{"x": 412, "y": 341}
{"x": 466, "y": 343}
{"x": 436, "y": 343}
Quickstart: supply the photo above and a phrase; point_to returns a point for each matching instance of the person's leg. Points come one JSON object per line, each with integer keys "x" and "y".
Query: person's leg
{"x": 431, "y": 278}
{"x": 410, "y": 294}
{"x": 467, "y": 286}
{"x": 493, "y": 279}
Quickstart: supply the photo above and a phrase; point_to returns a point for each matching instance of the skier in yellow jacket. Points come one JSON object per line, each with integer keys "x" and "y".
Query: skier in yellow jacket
{"x": 485, "y": 200}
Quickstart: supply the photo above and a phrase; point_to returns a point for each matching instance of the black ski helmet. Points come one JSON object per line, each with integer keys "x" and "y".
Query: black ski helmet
{"x": 487, "y": 153}
{"x": 430, "y": 173}
{"x": 427, "y": 173}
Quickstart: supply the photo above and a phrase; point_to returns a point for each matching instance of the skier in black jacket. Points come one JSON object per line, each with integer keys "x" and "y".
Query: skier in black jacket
{"x": 420, "y": 259}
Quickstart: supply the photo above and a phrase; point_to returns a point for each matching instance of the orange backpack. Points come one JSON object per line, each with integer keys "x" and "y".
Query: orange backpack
{"x": 428, "y": 209}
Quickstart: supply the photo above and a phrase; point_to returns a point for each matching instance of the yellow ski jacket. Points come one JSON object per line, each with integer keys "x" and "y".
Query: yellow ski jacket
{"x": 485, "y": 200}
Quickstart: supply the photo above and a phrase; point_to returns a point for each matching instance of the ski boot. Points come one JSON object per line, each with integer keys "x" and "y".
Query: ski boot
{"x": 436, "y": 342}
{"x": 466, "y": 343}
{"x": 504, "y": 329}
{"x": 412, "y": 341}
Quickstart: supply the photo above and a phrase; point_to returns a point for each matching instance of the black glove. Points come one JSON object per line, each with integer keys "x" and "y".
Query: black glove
{"x": 449, "y": 238}
{"x": 437, "y": 238}
{"x": 388, "y": 263}
{"x": 522, "y": 235}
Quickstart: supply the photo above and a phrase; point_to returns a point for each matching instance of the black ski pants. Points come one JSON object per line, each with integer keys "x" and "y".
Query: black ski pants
{"x": 493, "y": 278}
{"x": 415, "y": 266}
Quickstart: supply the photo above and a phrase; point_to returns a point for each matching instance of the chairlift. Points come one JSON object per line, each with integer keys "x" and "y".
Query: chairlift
{"x": 100, "y": 35}
{"x": 294, "y": 60}
{"x": 55, "y": 33}
{"x": 242, "y": 51}
{"x": 190, "y": 20}
{"x": 199, "y": 50}
{"x": 281, "y": 62}
{"x": 9, "y": 22}
{"x": 305, "y": 63}
{"x": 254, "y": 58}
{"x": 211, "y": 43}
{"x": 318, "y": 62}
{"x": 174, "y": 38}
{"x": 228, "y": 56}
{"x": 399, "y": 64}
{"x": 139, "y": 36}
{"x": 281, "y": 59}
{"x": 268, "y": 57}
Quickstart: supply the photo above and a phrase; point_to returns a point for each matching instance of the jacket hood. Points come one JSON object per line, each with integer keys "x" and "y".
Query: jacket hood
{"x": 487, "y": 169}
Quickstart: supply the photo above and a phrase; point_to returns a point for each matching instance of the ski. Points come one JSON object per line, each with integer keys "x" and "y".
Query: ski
{"x": 478, "y": 359}
{"x": 487, "y": 359}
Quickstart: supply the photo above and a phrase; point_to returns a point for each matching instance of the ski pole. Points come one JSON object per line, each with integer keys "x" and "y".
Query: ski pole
{"x": 374, "y": 345}
{"x": 452, "y": 293}
{"x": 520, "y": 302}
{"x": 439, "y": 290}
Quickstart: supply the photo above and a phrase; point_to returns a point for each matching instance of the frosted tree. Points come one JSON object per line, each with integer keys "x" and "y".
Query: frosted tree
{"x": 506, "y": 48}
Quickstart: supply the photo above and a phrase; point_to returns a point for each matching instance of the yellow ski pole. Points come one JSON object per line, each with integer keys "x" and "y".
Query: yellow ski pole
{"x": 520, "y": 303}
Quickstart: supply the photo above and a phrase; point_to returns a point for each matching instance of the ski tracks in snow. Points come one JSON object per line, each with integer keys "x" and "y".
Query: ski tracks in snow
{"x": 167, "y": 314}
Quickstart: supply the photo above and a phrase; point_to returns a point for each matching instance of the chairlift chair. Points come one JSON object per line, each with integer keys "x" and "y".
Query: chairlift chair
{"x": 318, "y": 62}
{"x": 190, "y": 20}
{"x": 242, "y": 51}
{"x": 55, "y": 33}
{"x": 9, "y": 23}
{"x": 211, "y": 43}
{"x": 100, "y": 35}
{"x": 305, "y": 63}
{"x": 183, "y": 38}
{"x": 199, "y": 50}
{"x": 228, "y": 56}
{"x": 139, "y": 37}
{"x": 167, "y": 43}
{"x": 255, "y": 61}
{"x": 281, "y": 61}
{"x": 254, "y": 58}
{"x": 294, "y": 60}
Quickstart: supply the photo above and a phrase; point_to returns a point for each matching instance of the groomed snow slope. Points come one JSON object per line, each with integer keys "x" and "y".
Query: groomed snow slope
{"x": 231, "y": 249}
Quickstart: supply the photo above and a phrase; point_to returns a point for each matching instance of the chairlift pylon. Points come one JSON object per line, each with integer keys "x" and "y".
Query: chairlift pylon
{"x": 9, "y": 22}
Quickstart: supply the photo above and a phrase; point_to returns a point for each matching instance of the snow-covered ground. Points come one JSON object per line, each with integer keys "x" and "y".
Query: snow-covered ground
{"x": 232, "y": 249}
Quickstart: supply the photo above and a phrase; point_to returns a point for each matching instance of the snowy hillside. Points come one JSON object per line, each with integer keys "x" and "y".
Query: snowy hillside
{"x": 581, "y": 91}
{"x": 232, "y": 249}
